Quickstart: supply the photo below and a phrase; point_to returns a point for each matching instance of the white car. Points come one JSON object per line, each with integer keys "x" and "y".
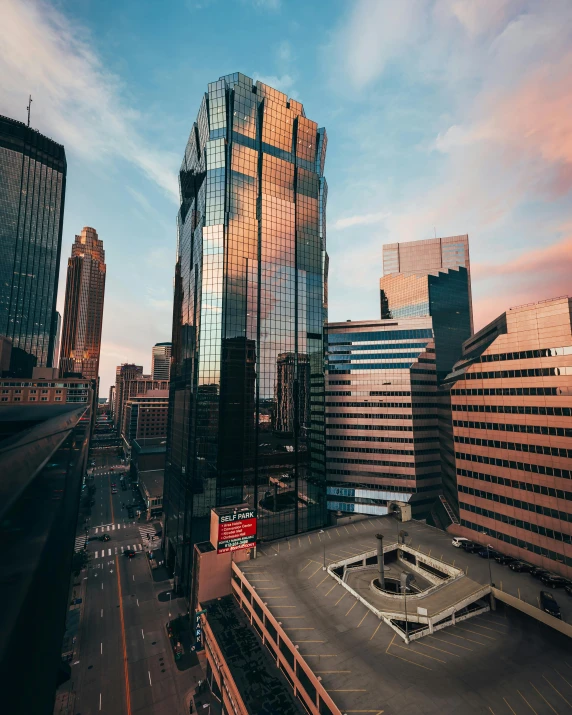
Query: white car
{"x": 458, "y": 541}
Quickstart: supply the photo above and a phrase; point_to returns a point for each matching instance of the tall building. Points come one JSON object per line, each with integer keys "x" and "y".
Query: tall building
{"x": 510, "y": 458}
{"x": 382, "y": 441}
{"x": 431, "y": 277}
{"x": 146, "y": 416}
{"x": 83, "y": 312}
{"x": 56, "y": 353}
{"x": 250, "y": 286}
{"x": 161, "y": 361}
{"x": 32, "y": 190}
{"x": 123, "y": 374}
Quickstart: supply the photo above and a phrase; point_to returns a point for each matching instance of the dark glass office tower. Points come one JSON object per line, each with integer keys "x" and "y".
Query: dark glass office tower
{"x": 249, "y": 313}
{"x": 32, "y": 190}
{"x": 431, "y": 278}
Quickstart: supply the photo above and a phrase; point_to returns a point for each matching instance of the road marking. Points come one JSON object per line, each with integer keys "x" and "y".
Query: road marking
{"x": 306, "y": 566}
{"x": 331, "y": 589}
{"x": 376, "y": 630}
{"x": 149, "y": 673}
{"x": 96, "y": 553}
{"x": 392, "y": 655}
{"x": 526, "y": 701}
{"x": 348, "y": 690}
{"x": 315, "y": 572}
{"x": 363, "y": 619}
{"x": 434, "y": 647}
{"x": 468, "y": 630}
{"x": 545, "y": 700}
{"x": 102, "y": 612}
{"x": 352, "y": 607}
{"x": 309, "y": 641}
{"x": 101, "y": 648}
{"x": 319, "y": 655}
{"x": 322, "y": 581}
{"x": 563, "y": 678}
{"x": 102, "y": 587}
{"x": 556, "y": 689}
{"x": 109, "y": 552}
{"x": 143, "y": 634}
{"x": 113, "y": 527}
{"x": 321, "y": 672}
{"x": 137, "y": 601}
{"x": 509, "y": 707}
{"x": 345, "y": 593}
{"x": 301, "y": 628}
{"x": 453, "y": 635}
{"x": 423, "y": 655}
{"x": 454, "y": 645}
{"x": 100, "y": 701}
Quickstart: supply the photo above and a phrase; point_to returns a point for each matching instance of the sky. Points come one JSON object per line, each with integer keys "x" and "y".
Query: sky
{"x": 444, "y": 117}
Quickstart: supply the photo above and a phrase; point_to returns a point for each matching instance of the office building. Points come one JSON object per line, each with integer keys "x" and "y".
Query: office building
{"x": 381, "y": 416}
{"x": 43, "y": 456}
{"x": 161, "y": 361}
{"x": 123, "y": 374}
{"x": 511, "y": 452}
{"x": 83, "y": 311}
{"x": 145, "y": 416}
{"x": 111, "y": 400}
{"x": 57, "y": 342}
{"x": 250, "y": 286}
{"x": 433, "y": 278}
{"x": 32, "y": 190}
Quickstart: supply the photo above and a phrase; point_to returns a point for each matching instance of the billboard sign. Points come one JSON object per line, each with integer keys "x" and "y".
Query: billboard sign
{"x": 236, "y": 530}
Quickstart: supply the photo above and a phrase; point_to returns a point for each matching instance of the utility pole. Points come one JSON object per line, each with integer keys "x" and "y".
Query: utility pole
{"x": 29, "y": 107}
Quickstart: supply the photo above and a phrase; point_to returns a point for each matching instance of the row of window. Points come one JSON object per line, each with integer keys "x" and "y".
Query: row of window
{"x": 516, "y": 410}
{"x": 527, "y": 354}
{"x": 524, "y": 429}
{"x": 385, "y": 475}
{"x": 369, "y": 450}
{"x": 517, "y": 503}
{"x": 30, "y": 399}
{"x": 515, "y": 446}
{"x": 377, "y": 428}
{"x": 519, "y": 523}
{"x": 525, "y": 372}
{"x": 403, "y": 405}
{"x": 381, "y": 463}
{"x": 378, "y": 440}
{"x": 509, "y": 391}
{"x": 533, "y": 548}
{"x": 522, "y": 466}
{"x": 514, "y": 484}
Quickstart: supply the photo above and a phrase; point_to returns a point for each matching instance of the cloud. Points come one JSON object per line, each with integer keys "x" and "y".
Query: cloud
{"x": 284, "y": 83}
{"x": 77, "y": 101}
{"x": 363, "y": 220}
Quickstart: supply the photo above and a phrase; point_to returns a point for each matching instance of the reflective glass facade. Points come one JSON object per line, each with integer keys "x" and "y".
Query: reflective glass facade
{"x": 247, "y": 379}
{"x": 32, "y": 190}
{"x": 431, "y": 277}
{"x": 381, "y": 416}
{"x": 510, "y": 445}
{"x": 83, "y": 312}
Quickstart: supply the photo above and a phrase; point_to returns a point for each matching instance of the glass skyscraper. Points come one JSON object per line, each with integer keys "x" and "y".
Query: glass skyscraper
{"x": 247, "y": 378}
{"x": 431, "y": 277}
{"x": 32, "y": 190}
{"x": 83, "y": 312}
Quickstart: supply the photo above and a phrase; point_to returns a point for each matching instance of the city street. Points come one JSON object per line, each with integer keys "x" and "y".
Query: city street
{"x": 123, "y": 662}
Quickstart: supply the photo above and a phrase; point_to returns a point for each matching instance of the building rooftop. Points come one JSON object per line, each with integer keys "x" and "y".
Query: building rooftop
{"x": 262, "y": 687}
{"x": 152, "y": 482}
{"x": 495, "y": 661}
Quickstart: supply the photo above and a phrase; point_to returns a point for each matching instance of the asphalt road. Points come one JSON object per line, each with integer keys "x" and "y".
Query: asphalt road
{"x": 124, "y": 663}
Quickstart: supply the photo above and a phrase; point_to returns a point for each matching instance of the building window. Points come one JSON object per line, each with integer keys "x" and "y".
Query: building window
{"x": 32, "y": 399}
{"x": 44, "y": 392}
{"x": 4, "y": 399}
{"x": 58, "y": 392}
{"x": 33, "y": 392}
{"x": 17, "y": 392}
{"x": 57, "y": 399}
{"x": 17, "y": 399}
{"x": 5, "y": 392}
{"x": 44, "y": 399}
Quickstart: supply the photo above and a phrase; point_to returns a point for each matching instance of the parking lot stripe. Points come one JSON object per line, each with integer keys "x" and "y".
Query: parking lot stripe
{"x": 420, "y": 642}
{"x": 376, "y": 630}
{"x": 306, "y": 566}
{"x": 322, "y": 581}
{"x": 341, "y": 597}
{"x": 545, "y": 700}
{"x": 409, "y": 661}
{"x": 478, "y": 625}
{"x": 455, "y": 645}
{"x": 463, "y": 638}
{"x": 423, "y": 655}
{"x": 563, "y": 678}
{"x": 327, "y": 594}
{"x": 352, "y": 607}
{"x": 468, "y": 630}
{"x": 526, "y": 701}
{"x": 558, "y": 691}
{"x": 363, "y": 619}
{"x": 508, "y": 705}
{"x": 315, "y": 572}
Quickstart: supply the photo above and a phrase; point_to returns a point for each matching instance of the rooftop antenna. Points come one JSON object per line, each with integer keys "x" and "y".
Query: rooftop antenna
{"x": 29, "y": 107}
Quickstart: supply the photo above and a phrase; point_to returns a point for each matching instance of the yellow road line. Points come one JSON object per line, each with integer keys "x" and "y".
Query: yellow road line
{"x": 454, "y": 645}
{"x": 423, "y": 655}
{"x": 363, "y": 619}
{"x": 319, "y": 655}
{"x": 508, "y": 705}
{"x": 563, "y": 678}
{"x": 283, "y": 606}
{"x": 329, "y": 535}
{"x": 392, "y": 655}
{"x": 355, "y": 527}
{"x": 290, "y": 617}
{"x": 351, "y": 609}
{"x": 315, "y": 572}
{"x": 339, "y": 599}
{"x": 308, "y": 641}
{"x": 309, "y": 539}
{"x": 346, "y": 528}
{"x": 453, "y": 635}
{"x": 559, "y": 693}
{"x": 321, "y": 672}
{"x": 322, "y": 581}
{"x": 306, "y": 566}
{"x": 337, "y": 531}
{"x": 434, "y": 647}
{"x": 348, "y": 690}
{"x": 376, "y": 630}
{"x": 327, "y": 594}
{"x": 301, "y": 628}
{"x": 493, "y": 712}
{"x": 478, "y": 625}
{"x": 545, "y": 700}
{"x": 526, "y": 701}
{"x": 468, "y": 630}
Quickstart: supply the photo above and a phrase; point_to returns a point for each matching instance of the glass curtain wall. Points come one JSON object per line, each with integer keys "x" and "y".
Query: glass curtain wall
{"x": 246, "y": 416}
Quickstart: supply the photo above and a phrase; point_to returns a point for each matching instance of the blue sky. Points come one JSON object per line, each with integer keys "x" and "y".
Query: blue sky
{"x": 452, "y": 116}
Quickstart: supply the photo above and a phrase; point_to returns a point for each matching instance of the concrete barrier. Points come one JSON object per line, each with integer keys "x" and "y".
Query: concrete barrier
{"x": 533, "y": 611}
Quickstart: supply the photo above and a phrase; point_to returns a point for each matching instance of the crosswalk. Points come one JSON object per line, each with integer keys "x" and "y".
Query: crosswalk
{"x": 115, "y": 550}
{"x": 147, "y": 530}
{"x": 80, "y": 542}
{"x": 111, "y": 527}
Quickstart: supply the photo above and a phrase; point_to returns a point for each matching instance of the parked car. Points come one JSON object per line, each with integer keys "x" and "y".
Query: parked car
{"x": 458, "y": 541}
{"x": 520, "y": 566}
{"x": 538, "y": 572}
{"x": 130, "y": 553}
{"x": 486, "y": 553}
{"x": 549, "y": 605}
{"x": 568, "y": 588}
{"x": 471, "y": 547}
{"x": 553, "y": 580}
{"x": 105, "y": 537}
{"x": 504, "y": 560}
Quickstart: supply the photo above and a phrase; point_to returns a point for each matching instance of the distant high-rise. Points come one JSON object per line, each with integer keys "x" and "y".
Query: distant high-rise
{"x": 507, "y": 476}
{"x": 250, "y": 286}
{"x": 123, "y": 374}
{"x": 32, "y": 190}
{"x": 161, "y": 361}
{"x": 83, "y": 311}
{"x": 431, "y": 278}
{"x": 382, "y": 416}
{"x": 56, "y": 353}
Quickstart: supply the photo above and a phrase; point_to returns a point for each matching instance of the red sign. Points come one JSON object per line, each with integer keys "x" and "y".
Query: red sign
{"x": 236, "y": 531}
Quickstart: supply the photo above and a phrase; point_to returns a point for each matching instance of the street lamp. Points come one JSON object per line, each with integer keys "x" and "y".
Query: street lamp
{"x": 324, "y": 545}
